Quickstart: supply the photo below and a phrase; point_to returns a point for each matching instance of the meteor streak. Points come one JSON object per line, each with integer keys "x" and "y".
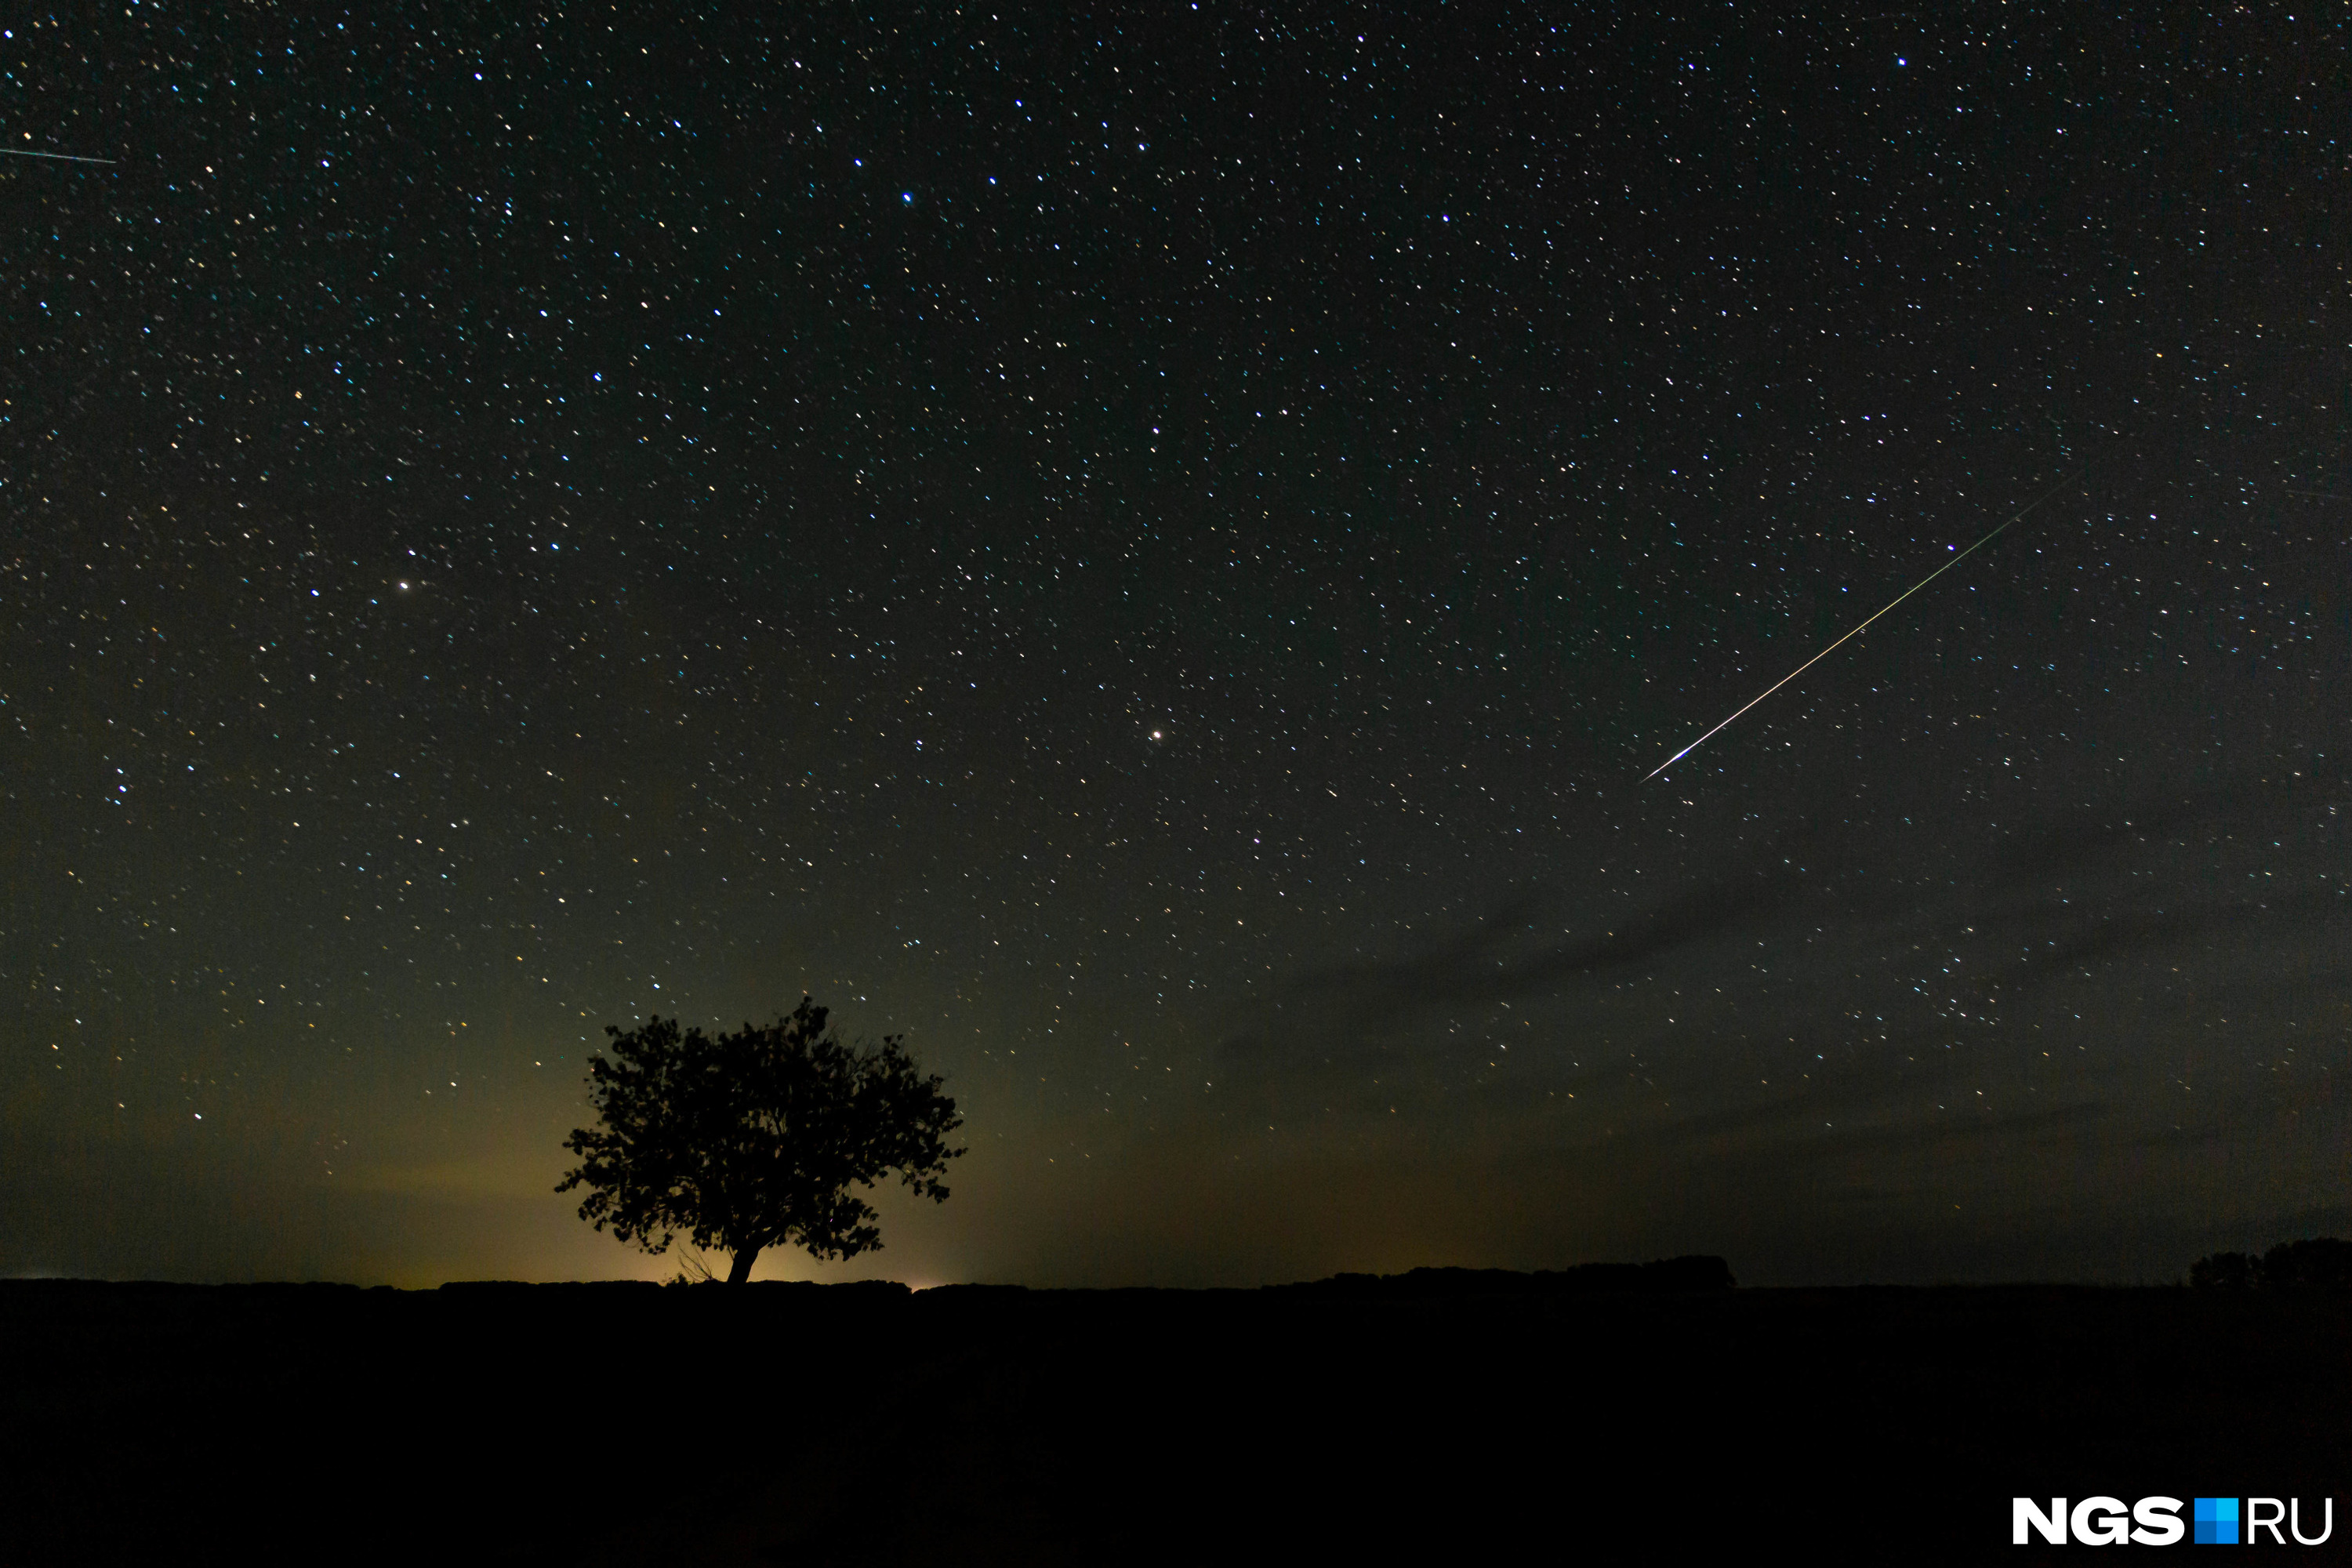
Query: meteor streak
{"x": 1857, "y": 631}
{"x": 61, "y": 157}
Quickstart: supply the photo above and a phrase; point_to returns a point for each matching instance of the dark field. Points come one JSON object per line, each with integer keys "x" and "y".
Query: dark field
{"x": 612, "y": 1424}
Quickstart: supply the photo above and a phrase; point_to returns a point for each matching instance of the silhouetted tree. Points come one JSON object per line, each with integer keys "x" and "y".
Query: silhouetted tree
{"x": 2321, "y": 1261}
{"x": 750, "y": 1140}
{"x": 2226, "y": 1270}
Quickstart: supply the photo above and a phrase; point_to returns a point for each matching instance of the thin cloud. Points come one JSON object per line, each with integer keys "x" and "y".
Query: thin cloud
{"x": 1492, "y": 962}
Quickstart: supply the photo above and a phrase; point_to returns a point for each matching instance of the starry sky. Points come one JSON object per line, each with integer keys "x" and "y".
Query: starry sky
{"x": 1152, "y": 554}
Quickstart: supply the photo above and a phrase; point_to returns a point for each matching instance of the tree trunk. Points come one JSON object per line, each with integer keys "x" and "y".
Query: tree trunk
{"x": 742, "y": 1266}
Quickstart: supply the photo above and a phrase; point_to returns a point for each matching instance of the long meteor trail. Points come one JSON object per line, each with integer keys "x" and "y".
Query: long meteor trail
{"x": 60, "y": 157}
{"x": 1858, "y": 630}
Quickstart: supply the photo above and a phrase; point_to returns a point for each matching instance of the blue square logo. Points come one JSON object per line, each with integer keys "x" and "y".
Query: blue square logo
{"x": 2216, "y": 1519}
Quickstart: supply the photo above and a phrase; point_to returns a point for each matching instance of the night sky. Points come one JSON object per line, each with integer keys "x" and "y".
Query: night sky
{"x": 1152, "y": 554}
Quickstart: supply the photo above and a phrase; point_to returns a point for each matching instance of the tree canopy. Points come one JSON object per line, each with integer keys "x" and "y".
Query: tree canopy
{"x": 2320, "y": 1260}
{"x": 753, "y": 1139}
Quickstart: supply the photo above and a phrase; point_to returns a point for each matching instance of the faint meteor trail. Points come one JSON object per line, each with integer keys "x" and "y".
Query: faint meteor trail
{"x": 60, "y": 157}
{"x": 1857, "y": 631}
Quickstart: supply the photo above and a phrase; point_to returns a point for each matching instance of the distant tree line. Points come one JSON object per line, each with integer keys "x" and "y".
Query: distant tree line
{"x": 1666, "y": 1275}
{"x": 2319, "y": 1261}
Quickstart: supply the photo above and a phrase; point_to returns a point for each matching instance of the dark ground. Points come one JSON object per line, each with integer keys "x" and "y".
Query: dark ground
{"x": 614, "y": 1424}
